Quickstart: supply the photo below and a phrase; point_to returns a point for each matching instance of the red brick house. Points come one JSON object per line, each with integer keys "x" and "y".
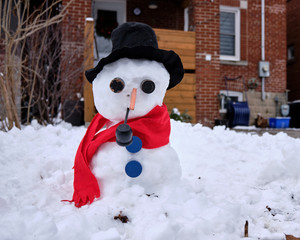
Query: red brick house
{"x": 232, "y": 37}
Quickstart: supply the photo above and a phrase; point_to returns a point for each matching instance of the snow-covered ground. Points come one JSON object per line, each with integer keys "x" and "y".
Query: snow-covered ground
{"x": 228, "y": 178}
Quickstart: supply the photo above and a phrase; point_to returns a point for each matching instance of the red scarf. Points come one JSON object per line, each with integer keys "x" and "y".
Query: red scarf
{"x": 153, "y": 129}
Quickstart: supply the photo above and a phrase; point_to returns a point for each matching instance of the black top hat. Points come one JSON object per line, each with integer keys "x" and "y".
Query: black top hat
{"x": 138, "y": 41}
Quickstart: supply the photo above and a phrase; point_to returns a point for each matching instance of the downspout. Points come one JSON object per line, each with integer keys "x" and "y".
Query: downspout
{"x": 263, "y": 97}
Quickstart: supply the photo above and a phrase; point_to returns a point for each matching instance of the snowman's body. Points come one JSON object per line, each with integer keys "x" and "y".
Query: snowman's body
{"x": 108, "y": 164}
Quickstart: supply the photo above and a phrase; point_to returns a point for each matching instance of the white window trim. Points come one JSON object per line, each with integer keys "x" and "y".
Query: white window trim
{"x": 239, "y": 95}
{"x": 290, "y": 52}
{"x": 224, "y": 93}
{"x": 236, "y": 11}
{"x": 186, "y": 19}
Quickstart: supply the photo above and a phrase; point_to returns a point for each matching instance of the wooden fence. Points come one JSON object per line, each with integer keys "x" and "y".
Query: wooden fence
{"x": 182, "y": 96}
{"x": 89, "y": 107}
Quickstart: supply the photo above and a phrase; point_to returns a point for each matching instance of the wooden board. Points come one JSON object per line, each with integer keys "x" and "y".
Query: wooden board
{"x": 182, "y": 96}
{"x": 181, "y": 42}
{"x": 89, "y": 108}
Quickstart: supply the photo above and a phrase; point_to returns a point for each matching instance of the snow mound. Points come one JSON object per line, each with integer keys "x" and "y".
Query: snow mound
{"x": 227, "y": 178}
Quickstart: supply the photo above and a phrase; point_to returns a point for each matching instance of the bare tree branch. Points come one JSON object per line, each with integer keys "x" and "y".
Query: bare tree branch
{"x": 23, "y": 74}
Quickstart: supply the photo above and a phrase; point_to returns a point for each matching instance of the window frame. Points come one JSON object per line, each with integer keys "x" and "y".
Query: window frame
{"x": 224, "y": 94}
{"x": 237, "y": 14}
{"x": 291, "y": 53}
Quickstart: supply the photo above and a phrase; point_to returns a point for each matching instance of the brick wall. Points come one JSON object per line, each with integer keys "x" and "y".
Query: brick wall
{"x": 206, "y": 25}
{"x": 293, "y": 38}
{"x": 204, "y": 20}
{"x": 73, "y": 41}
{"x": 275, "y": 41}
{"x": 210, "y": 72}
{"x": 168, "y": 15}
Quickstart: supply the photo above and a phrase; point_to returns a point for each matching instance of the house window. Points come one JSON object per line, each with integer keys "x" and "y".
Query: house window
{"x": 225, "y": 96}
{"x": 229, "y": 33}
{"x": 291, "y": 53}
{"x": 108, "y": 14}
{"x": 106, "y": 22}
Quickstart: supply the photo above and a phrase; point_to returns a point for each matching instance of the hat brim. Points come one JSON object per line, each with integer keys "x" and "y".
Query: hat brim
{"x": 169, "y": 59}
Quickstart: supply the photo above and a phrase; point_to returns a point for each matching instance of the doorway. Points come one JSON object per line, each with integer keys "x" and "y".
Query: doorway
{"x": 108, "y": 14}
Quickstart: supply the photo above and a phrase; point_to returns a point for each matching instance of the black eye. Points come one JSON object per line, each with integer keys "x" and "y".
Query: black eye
{"x": 117, "y": 85}
{"x": 148, "y": 86}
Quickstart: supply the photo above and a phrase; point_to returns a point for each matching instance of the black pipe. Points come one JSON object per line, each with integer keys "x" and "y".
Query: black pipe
{"x": 124, "y": 133}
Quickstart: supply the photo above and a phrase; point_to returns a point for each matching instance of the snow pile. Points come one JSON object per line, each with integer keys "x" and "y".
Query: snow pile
{"x": 227, "y": 178}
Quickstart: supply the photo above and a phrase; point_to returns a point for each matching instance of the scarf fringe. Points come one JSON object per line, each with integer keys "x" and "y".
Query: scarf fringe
{"x": 83, "y": 198}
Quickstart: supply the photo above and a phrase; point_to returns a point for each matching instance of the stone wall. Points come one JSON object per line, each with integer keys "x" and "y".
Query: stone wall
{"x": 266, "y": 108}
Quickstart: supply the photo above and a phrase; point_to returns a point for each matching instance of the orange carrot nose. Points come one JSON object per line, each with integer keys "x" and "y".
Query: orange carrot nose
{"x": 132, "y": 99}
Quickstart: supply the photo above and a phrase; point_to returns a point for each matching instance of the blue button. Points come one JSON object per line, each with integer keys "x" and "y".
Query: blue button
{"x": 133, "y": 169}
{"x": 135, "y": 146}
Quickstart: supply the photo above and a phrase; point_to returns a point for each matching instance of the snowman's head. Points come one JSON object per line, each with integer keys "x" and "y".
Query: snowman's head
{"x": 113, "y": 86}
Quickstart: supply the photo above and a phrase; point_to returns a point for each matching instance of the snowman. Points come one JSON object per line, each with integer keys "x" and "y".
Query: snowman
{"x": 127, "y": 142}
